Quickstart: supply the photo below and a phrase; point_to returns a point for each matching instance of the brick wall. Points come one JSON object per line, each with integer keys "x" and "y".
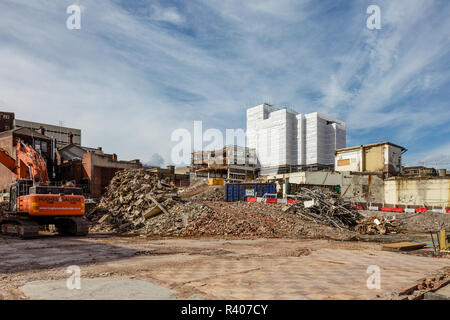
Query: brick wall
{"x": 101, "y": 169}
{"x": 6, "y": 176}
{"x": 6, "y": 121}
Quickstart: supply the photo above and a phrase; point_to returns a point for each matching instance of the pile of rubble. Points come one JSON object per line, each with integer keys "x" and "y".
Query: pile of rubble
{"x": 138, "y": 202}
{"x": 132, "y": 198}
{"x": 212, "y": 193}
{"x": 256, "y": 220}
{"x": 325, "y": 207}
{"x": 374, "y": 226}
{"x": 196, "y": 187}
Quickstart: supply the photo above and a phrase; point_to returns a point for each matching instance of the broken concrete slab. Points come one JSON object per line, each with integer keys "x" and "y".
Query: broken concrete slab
{"x": 440, "y": 294}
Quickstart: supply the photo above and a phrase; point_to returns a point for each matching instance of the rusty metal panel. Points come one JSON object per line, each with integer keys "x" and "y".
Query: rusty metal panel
{"x": 344, "y": 162}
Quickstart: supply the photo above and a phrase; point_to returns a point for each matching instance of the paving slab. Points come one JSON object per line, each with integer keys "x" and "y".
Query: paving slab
{"x": 325, "y": 274}
{"x": 97, "y": 289}
{"x": 140, "y": 268}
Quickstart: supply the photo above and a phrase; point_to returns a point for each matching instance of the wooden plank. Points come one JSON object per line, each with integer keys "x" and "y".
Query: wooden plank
{"x": 343, "y": 162}
{"x": 402, "y": 246}
{"x": 152, "y": 212}
{"x": 157, "y": 203}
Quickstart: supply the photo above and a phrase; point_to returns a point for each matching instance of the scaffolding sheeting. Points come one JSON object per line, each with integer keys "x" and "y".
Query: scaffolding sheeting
{"x": 285, "y": 137}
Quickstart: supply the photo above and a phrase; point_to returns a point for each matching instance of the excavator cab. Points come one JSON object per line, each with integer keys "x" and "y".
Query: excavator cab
{"x": 17, "y": 189}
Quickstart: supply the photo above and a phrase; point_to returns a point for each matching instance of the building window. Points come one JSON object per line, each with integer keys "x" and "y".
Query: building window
{"x": 6, "y": 127}
{"x": 6, "y": 116}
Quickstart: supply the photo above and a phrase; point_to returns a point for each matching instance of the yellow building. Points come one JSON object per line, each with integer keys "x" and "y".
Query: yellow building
{"x": 377, "y": 157}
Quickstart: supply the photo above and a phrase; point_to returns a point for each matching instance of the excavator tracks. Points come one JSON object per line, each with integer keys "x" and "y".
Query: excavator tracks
{"x": 27, "y": 228}
{"x": 71, "y": 226}
{"x": 22, "y": 228}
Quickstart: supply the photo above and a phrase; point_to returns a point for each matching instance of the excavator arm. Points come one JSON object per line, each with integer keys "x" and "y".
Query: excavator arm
{"x": 8, "y": 161}
{"x": 29, "y": 163}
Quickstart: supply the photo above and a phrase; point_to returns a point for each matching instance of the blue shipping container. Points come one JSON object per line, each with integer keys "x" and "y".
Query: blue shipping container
{"x": 237, "y": 191}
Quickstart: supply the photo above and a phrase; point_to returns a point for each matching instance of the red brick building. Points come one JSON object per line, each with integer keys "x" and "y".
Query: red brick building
{"x": 90, "y": 168}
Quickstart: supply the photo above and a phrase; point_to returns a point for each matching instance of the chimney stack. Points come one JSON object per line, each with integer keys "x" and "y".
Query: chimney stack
{"x": 41, "y": 130}
{"x": 70, "y": 137}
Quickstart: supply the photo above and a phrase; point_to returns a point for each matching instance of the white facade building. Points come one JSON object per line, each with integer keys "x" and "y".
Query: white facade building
{"x": 285, "y": 137}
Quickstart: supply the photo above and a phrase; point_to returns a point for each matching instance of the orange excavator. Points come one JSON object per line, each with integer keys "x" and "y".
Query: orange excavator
{"x": 34, "y": 203}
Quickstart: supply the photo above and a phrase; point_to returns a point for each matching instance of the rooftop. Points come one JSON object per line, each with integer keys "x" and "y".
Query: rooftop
{"x": 25, "y": 132}
{"x": 371, "y": 145}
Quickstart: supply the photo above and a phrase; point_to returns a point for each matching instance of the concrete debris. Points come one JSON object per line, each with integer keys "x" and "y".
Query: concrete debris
{"x": 380, "y": 226}
{"x": 137, "y": 202}
{"x": 414, "y": 222}
{"x": 128, "y": 207}
{"x": 252, "y": 220}
{"x": 426, "y": 285}
{"x": 133, "y": 196}
{"x": 196, "y": 187}
{"x": 214, "y": 193}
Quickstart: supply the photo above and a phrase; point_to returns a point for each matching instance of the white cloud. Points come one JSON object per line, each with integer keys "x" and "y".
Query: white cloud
{"x": 166, "y": 14}
{"x": 438, "y": 157}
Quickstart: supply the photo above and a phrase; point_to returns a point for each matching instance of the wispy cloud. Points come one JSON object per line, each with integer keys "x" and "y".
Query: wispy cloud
{"x": 166, "y": 14}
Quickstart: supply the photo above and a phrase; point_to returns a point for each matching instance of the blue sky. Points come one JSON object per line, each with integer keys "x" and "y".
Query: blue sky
{"x": 137, "y": 70}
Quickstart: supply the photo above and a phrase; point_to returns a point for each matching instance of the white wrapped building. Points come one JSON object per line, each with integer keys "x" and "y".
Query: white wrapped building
{"x": 285, "y": 137}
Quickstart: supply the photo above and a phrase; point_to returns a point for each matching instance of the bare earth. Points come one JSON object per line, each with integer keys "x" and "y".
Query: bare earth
{"x": 209, "y": 268}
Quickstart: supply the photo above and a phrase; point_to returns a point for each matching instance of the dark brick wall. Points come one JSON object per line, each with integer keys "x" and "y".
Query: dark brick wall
{"x": 6, "y": 121}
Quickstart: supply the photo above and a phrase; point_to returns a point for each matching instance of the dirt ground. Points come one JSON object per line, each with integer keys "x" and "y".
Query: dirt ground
{"x": 211, "y": 268}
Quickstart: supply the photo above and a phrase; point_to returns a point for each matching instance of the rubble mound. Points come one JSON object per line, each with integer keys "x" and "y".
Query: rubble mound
{"x": 253, "y": 220}
{"x": 373, "y": 226}
{"x": 212, "y": 193}
{"x": 137, "y": 202}
{"x": 131, "y": 199}
{"x": 196, "y": 187}
{"x": 220, "y": 221}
